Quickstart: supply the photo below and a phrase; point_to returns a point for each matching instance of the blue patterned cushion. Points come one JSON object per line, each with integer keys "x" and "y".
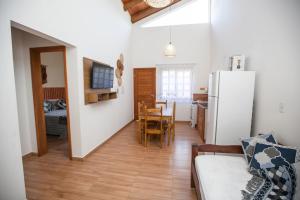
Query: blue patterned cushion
{"x": 273, "y": 183}
{"x": 61, "y": 104}
{"x": 248, "y": 144}
{"x": 272, "y": 155}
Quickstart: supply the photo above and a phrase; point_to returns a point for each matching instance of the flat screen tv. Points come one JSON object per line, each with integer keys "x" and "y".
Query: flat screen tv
{"x": 102, "y": 76}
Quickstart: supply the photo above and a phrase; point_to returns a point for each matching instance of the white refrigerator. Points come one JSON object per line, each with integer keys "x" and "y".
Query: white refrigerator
{"x": 230, "y": 105}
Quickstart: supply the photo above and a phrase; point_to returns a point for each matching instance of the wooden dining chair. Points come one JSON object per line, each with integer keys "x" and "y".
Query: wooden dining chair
{"x": 162, "y": 103}
{"x": 173, "y": 120}
{"x": 154, "y": 124}
{"x": 141, "y": 121}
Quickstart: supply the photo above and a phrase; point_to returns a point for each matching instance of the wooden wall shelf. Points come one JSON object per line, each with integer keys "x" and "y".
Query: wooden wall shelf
{"x": 95, "y": 98}
{"x": 94, "y": 95}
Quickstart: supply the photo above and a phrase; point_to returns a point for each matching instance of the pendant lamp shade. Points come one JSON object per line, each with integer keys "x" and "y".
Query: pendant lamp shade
{"x": 170, "y": 50}
{"x": 158, "y": 3}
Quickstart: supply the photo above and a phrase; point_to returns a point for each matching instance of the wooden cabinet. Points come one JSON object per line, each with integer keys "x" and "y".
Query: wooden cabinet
{"x": 201, "y": 121}
{"x": 202, "y": 106}
{"x": 200, "y": 97}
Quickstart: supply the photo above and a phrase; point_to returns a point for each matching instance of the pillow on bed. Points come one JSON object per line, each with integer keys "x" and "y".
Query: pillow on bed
{"x": 61, "y": 104}
{"x": 54, "y": 104}
{"x": 46, "y": 108}
{"x": 248, "y": 144}
{"x": 273, "y": 155}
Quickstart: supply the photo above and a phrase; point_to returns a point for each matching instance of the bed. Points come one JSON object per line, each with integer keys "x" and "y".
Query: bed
{"x": 56, "y": 122}
{"x": 224, "y": 175}
{"x": 55, "y": 111}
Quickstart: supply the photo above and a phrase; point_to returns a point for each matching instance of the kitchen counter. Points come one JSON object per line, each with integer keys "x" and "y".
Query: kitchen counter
{"x": 202, "y": 108}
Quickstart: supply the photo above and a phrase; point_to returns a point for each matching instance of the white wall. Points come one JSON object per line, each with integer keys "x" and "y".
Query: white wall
{"x": 94, "y": 36}
{"x": 267, "y": 32}
{"x": 192, "y": 44}
{"x": 22, "y": 41}
{"x": 55, "y": 69}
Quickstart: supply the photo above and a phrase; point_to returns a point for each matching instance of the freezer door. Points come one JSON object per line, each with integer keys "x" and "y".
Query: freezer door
{"x": 211, "y": 120}
{"x": 213, "y": 84}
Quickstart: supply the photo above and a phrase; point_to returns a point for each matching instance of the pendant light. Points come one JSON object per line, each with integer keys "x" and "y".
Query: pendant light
{"x": 158, "y": 3}
{"x": 170, "y": 50}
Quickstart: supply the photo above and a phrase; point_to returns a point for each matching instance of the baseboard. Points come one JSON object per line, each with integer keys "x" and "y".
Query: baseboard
{"x": 29, "y": 155}
{"x": 182, "y": 122}
{"x": 97, "y": 147}
{"x": 77, "y": 159}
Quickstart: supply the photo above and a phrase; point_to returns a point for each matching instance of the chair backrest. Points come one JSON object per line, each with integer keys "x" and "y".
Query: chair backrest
{"x": 153, "y": 115}
{"x": 162, "y": 103}
{"x": 154, "y": 111}
{"x": 174, "y": 112}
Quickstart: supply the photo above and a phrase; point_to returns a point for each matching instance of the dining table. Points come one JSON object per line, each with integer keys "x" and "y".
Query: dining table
{"x": 167, "y": 114}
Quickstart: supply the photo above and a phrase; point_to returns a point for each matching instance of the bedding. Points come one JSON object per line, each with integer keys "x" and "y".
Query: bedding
{"x": 227, "y": 180}
{"x": 278, "y": 182}
{"x": 54, "y": 104}
{"x": 274, "y": 173}
{"x": 53, "y": 125}
{"x": 222, "y": 177}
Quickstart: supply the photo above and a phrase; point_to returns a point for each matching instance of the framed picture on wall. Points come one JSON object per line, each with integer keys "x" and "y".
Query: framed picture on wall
{"x": 237, "y": 63}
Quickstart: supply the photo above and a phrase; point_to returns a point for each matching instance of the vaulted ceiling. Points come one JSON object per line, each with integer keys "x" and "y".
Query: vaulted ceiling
{"x": 138, "y": 9}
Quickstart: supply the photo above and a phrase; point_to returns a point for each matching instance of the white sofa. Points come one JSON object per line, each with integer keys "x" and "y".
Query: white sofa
{"x": 222, "y": 177}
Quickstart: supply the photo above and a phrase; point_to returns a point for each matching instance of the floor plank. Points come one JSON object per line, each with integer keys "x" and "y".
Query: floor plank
{"x": 120, "y": 169}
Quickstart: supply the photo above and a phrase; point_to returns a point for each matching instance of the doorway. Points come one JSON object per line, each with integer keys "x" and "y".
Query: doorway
{"x": 51, "y": 104}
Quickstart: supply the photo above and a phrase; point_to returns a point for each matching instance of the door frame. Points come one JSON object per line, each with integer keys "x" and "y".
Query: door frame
{"x": 38, "y": 97}
{"x": 135, "y": 70}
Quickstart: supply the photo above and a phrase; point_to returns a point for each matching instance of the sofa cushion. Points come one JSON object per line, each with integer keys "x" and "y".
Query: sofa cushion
{"x": 297, "y": 192}
{"x": 271, "y": 155}
{"x": 222, "y": 177}
{"x": 248, "y": 144}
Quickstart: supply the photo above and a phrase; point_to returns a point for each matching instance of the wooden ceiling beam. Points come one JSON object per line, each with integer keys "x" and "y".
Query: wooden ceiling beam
{"x": 131, "y": 4}
{"x": 147, "y": 12}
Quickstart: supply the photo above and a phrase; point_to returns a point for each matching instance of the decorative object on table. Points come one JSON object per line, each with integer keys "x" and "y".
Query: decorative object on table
{"x": 44, "y": 74}
{"x": 119, "y": 70}
{"x": 248, "y": 144}
{"x": 170, "y": 50}
{"x": 158, "y": 3}
{"x": 237, "y": 63}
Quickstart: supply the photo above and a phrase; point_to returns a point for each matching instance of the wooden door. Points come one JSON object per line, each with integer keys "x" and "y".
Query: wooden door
{"x": 144, "y": 87}
{"x": 38, "y": 100}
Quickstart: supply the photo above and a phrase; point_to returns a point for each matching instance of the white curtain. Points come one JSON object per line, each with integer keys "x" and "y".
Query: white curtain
{"x": 174, "y": 82}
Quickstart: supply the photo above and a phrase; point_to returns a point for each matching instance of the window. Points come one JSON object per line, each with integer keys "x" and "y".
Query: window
{"x": 175, "y": 82}
{"x": 193, "y": 12}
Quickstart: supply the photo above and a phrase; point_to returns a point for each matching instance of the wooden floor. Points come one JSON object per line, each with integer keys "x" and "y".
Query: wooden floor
{"x": 120, "y": 169}
{"x": 57, "y": 145}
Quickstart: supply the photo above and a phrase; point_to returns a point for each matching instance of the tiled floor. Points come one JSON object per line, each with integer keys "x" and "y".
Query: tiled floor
{"x": 120, "y": 169}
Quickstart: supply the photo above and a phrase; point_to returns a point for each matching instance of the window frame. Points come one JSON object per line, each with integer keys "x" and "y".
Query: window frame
{"x": 176, "y": 67}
